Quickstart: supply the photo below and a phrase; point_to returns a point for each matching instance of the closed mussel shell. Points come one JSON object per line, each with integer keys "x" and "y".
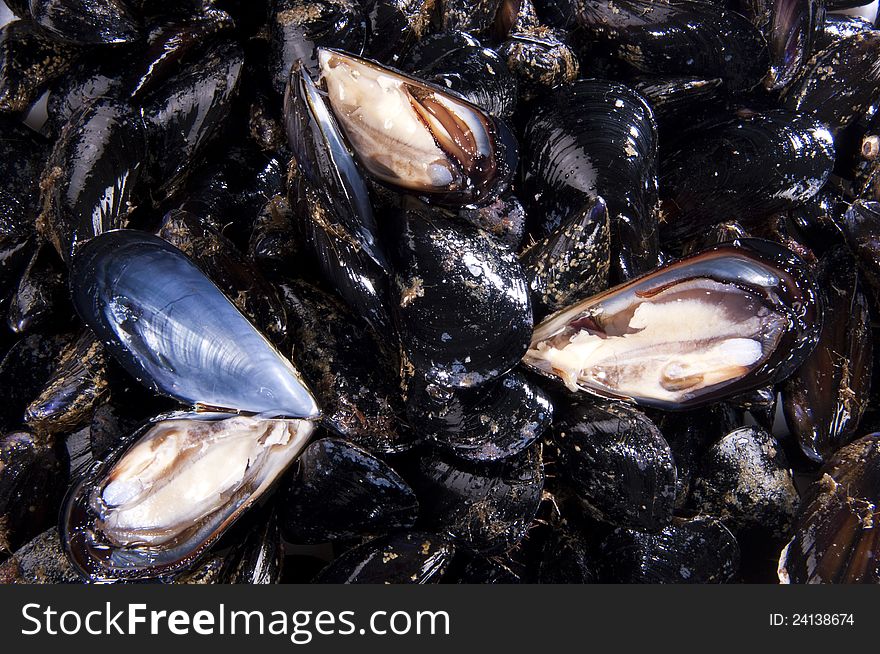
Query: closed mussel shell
{"x": 413, "y": 557}
{"x": 491, "y": 422}
{"x": 28, "y": 62}
{"x": 837, "y": 539}
{"x": 700, "y": 550}
{"x": 102, "y": 147}
{"x": 825, "y": 399}
{"x": 743, "y": 169}
{"x": 597, "y": 138}
{"x": 745, "y": 481}
{"x": 33, "y": 476}
{"x": 340, "y": 491}
{"x": 682, "y": 37}
{"x": 617, "y": 461}
{"x": 349, "y": 370}
{"x": 572, "y": 261}
{"x": 486, "y": 508}
{"x": 91, "y": 22}
{"x": 838, "y": 83}
{"x": 461, "y": 300}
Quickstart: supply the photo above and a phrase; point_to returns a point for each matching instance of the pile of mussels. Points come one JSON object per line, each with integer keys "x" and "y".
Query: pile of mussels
{"x": 463, "y": 291}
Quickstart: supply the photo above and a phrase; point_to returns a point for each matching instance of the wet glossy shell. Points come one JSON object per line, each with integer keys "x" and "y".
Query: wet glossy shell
{"x": 837, "y": 536}
{"x": 173, "y": 330}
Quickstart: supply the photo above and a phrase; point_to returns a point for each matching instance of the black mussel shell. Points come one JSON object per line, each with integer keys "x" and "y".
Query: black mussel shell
{"x": 41, "y": 295}
{"x": 617, "y": 461}
{"x": 297, "y": 29}
{"x": 825, "y": 399}
{"x": 745, "y": 481}
{"x": 837, "y": 27}
{"x": 461, "y": 301}
{"x": 743, "y": 169}
{"x": 839, "y": 83}
{"x": 25, "y": 369}
{"x": 28, "y": 62}
{"x": 258, "y": 558}
{"x": 348, "y": 369}
{"x": 188, "y": 110}
{"x": 172, "y": 45}
{"x": 474, "y": 16}
{"x": 33, "y": 476}
{"x": 340, "y": 491}
{"x": 395, "y": 25}
{"x": 757, "y": 315}
{"x": 540, "y": 59}
{"x": 417, "y": 137}
{"x": 791, "y": 28}
{"x": 487, "y": 508}
{"x": 342, "y": 261}
{"x": 597, "y": 138}
{"x": 404, "y": 558}
{"x": 837, "y": 536}
{"x": 487, "y": 423}
{"x": 94, "y": 176}
{"x": 174, "y": 331}
{"x": 79, "y": 383}
{"x": 676, "y": 100}
{"x": 697, "y": 551}
{"x": 39, "y": 561}
{"x": 690, "y": 434}
{"x": 88, "y": 21}
{"x": 572, "y": 261}
{"x": 682, "y": 37}
{"x": 860, "y": 225}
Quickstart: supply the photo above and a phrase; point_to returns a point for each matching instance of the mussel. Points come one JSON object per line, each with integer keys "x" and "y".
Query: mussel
{"x": 172, "y": 329}
{"x": 712, "y": 325}
{"x": 416, "y": 137}
{"x": 836, "y": 534}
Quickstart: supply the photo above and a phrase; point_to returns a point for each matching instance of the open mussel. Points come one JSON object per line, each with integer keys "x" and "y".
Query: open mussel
{"x": 415, "y": 136}
{"x": 459, "y": 63}
{"x": 837, "y": 536}
{"x": 168, "y": 492}
{"x": 159, "y": 502}
{"x": 331, "y": 203}
{"x": 712, "y": 325}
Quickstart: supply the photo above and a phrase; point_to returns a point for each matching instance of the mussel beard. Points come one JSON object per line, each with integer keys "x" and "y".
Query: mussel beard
{"x": 660, "y": 348}
{"x": 185, "y": 473}
{"x": 409, "y": 134}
